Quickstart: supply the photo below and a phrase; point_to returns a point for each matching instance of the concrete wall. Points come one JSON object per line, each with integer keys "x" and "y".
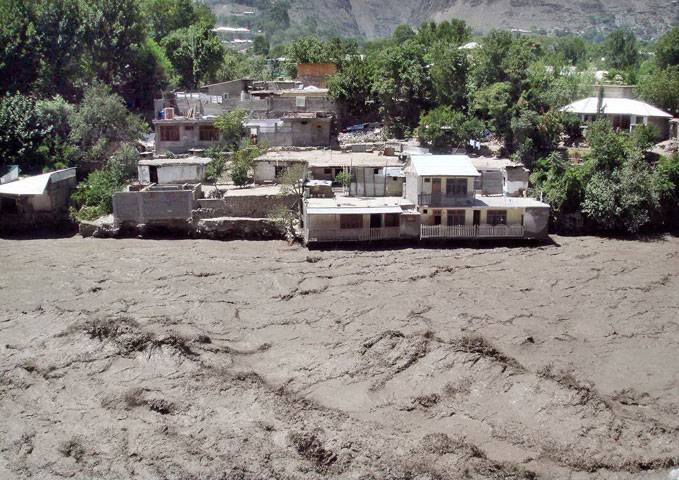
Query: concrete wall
{"x": 248, "y": 206}
{"x": 310, "y": 132}
{"x": 173, "y": 174}
{"x": 152, "y": 207}
{"x": 513, "y": 215}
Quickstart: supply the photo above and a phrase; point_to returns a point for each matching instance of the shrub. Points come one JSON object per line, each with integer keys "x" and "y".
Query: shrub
{"x": 215, "y": 169}
{"x": 94, "y": 196}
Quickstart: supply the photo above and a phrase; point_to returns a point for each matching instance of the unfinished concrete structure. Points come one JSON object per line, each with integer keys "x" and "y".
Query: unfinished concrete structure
{"x": 173, "y": 170}
{"x": 38, "y": 201}
{"x": 169, "y": 206}
{"x": 316, "y": 74}
{"x": 280, "y": 113}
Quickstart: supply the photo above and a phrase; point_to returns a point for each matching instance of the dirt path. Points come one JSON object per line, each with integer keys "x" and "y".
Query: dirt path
{"x": 185, "y": 359}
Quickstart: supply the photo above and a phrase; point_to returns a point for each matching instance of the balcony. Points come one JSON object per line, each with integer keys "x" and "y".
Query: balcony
{"x": 471, "y": 231}
{"x": 435, "y": 200}
{"x": 352, "y": 234}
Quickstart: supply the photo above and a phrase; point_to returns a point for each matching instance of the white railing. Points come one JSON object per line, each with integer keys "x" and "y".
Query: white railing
{"x": 469, "y": 231}
{"x": 352, "y": 235}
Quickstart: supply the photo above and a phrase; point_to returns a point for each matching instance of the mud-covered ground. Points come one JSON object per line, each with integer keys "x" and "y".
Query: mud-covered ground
{"x": 191, "y": 359}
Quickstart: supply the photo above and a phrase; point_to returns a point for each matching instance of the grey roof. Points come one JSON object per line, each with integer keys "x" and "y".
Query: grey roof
{"x": 507, "y": 202}
{"x": 37, "y": 184}
{"x": 443, "y": 166}
{"x": 160, "y": 162}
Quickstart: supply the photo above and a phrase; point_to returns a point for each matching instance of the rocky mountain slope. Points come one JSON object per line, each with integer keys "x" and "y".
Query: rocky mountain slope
{"x": 378, "y": 18}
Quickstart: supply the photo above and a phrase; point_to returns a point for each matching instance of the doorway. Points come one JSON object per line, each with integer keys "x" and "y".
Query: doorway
{"x": 376, "y": 220}
{"x": 153, "y": 174}
{"x": 477, "y": 218}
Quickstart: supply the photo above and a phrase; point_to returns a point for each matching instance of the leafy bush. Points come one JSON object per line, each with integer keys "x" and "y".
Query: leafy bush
{"x": 344, "y": 179}
{"x": 230, "y": 125}
{"x": 241, "y": 163}
{"x": 94, "y": 196}
{"x": 215, "y": 169}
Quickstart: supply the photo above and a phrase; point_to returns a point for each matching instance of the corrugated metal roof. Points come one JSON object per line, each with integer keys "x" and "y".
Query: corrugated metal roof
{"x": 443, "y": 166}
{"x": 159, "y": 162}
{"x": 615, "y": 106}
{"x": 37, "y": 184}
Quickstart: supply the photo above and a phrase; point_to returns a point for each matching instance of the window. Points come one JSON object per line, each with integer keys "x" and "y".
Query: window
{"x": 392, "y": 219}
{"x": 456, "y": 217}
{"x": 376, "y": 171}
{"x": 424, "y": 211}
{"x": 327, "y": 171}
{"x": 208, "y": 133}
{"x": 188, "y": 128}
{"x": 375, "y": 220}
{"x": 351, "y": 221}
{"x": 300, "y": 101}
{"x": 497, "y": 217}
{"x": 456, "y": 186}
{"x": 8, "y": 205}
{"x": 427, "y": 180}
{"x": 169, "y": 133}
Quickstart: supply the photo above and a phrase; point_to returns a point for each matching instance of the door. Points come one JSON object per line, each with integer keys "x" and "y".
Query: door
{"x": 376, "y": 220}
{"x": 153, "y": 174}
{"x": 477, "y": 217}
{"x": 435, "y": 191}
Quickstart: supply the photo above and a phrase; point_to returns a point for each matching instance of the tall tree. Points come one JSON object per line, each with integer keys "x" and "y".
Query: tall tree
{"x": 195, "y": 52}
{"x": 667, "y": 49}
{"x": 621, "y": 49}
{"x": 61, "y": 42}
{"x": 19, "y": 56}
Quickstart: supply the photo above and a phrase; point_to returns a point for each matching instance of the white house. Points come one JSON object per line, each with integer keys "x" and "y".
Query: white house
{"x": 173, "y": 170}
{"x": 442, "y": 189}
{"x": 624, "y": 113}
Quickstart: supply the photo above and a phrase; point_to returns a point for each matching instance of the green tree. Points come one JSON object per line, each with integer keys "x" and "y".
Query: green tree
{"x": 19, "y": 55}
{"x": 94, "y": 196}
{"x": 494, "y": 104}
{"x": 402, "y": 34}
{"x": 115, "y": 31}
{"x": 260, "y": 45}
{"x": 444, "y": 128}
{"x": 102, "y": 122}
{"x": 621, "y": 49}
{"x": 241, "y": 164}
{"x": 402, "y": 85}
{"x": 661, "y": 88}
{"x": 352, "y": 87}
{"x": 667, "y": 49}
{"x": 666, "y": 186}
{"x": 230, "y": 125}
{"x": 535, "y": 135}
{"x": 166, "y": 16}
{"x": 22, "y": 131}
{"x": 195, "y": 52}
{"x": 449, "y": 69}
{"x": 608, "y": 148}
{"x": 561, "y": 183}
{"x": 61, "y": 42}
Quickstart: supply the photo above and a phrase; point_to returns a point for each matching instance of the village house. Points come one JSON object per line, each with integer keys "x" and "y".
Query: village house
{"x": 442, "y": 187}
{"x": 623, "y": 113}
{"x": 173, "y": 170}
{"x": 279, "y": 114}
{"x": 352, "y": 219}
{"x": 372, "y": 174}
{"x": 38, "y": 201}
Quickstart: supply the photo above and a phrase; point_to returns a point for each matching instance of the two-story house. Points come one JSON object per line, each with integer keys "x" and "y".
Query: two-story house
{"x": 442, "y": 187}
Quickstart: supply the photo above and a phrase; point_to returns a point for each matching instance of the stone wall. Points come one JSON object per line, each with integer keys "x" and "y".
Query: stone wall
{"x": 227, "y": 228}
{"x": 248, "y": 206}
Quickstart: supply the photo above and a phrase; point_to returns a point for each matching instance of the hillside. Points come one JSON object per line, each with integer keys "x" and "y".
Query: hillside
{"x": 378, "y": 18}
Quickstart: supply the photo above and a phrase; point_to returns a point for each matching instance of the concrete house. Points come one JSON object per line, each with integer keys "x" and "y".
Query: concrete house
{"x": 623, "y": 113}
{"x": 351, "y": 219}
{"x": 442, "y": 189}
{"x": 173, "y": 170}
{"x": 33, "y": 202}
{"x": 372, "y": 174}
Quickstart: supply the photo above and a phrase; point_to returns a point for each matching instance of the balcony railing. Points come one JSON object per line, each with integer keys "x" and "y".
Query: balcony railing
{"x": 446, "y": 199}
{"x": 352, "y": 234}
{"x": 471, "y": 231}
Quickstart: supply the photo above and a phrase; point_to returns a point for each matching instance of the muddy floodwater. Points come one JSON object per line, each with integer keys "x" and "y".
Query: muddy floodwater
{"x": 196, "y": 359}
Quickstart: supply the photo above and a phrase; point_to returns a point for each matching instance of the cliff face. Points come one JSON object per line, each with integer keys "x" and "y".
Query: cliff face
{"x": 378, "y": 18}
